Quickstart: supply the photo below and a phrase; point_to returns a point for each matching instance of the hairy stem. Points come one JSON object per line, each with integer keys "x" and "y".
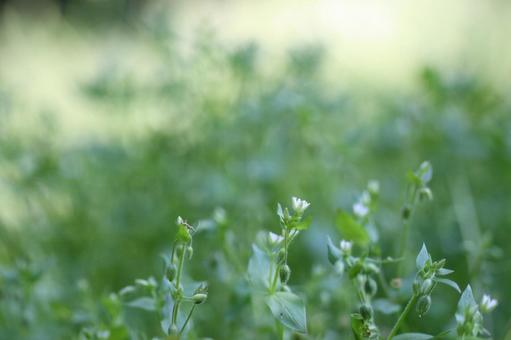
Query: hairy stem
{"x": 175, "y": 310}
{"x": 187, "y": 319}
{"x": 402, "y": 317}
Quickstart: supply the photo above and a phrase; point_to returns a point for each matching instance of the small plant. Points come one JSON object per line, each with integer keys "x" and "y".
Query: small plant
{"x": 469, "y": 317}
{"x": 269, "y": 272}
{"x": 169, "y": 296}
{"x": 366, "y": 272}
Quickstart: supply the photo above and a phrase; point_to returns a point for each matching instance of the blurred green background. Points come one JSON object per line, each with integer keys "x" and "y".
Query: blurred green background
{"x": 118, "y": 116}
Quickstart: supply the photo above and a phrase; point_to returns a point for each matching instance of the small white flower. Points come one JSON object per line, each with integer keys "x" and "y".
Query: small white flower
{"x": 346, "y": 247}
{"x": 180, "y": 220}
{"x": 373, "y": 186}
{"x": 299, "y": 205}
{"x": 360, "y": 209}
{"x": 274, "y": 238}
{"x": 488, "y": 304}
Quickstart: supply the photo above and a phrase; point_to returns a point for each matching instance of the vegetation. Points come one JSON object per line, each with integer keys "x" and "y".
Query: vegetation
{"x": 82, "y": 218}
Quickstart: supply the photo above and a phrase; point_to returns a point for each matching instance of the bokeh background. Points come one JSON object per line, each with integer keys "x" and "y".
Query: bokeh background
{"x": 118, "y": 116}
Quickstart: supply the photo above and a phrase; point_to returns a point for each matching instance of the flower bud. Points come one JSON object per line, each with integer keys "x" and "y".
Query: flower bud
{"x": 171, "y": 272}
{"x": 370, "y": 287}
{"x": 406, "y": 211}
{"x": 423, "y": 305}
{"x": 179, "y": 250}
{"x": 366, "y": 311}
{"x": 425, "y": 194}
{"x": 173, "y": 330}
{"x": 426, "y": 287}
{"x": 189, "y": 251}
{"x": 199, "y": 298}
{"x": 371, "y": 268}
{"x": 285, "y": 273}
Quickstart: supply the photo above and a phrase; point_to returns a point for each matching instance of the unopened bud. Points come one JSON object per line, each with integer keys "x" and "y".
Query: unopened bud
{"x": 199, "y": 298}
{"x": 370, "y": 287}
{"x": 426, "y": 287}
{"x": 406, "y": 211}
{"x": 423, "y": 305}
{"x": 366, "y": 311}
{"x": 171, "y": 272}
{"x": 284, "y": 273}
{"x": 425, "y": 194}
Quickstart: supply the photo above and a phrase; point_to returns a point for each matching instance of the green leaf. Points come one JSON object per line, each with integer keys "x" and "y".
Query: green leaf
{"x": 422, "y": 258}
{"x": 412, "y": 336}
{"x": 444, "y": 271}
{"x": 289, "y": 309}
{"x": 357, "y": 326}
{"x": 449, "y": 283}
{"x": 145, "y": 303}
{"x": 351, "y": 230}
{"x": 259, "y": 268}
{"x": 304, "y": 224}
{"x": 334, "y": 253}
{"x": 385, "y": 306}
{"x": 466, "y": 299}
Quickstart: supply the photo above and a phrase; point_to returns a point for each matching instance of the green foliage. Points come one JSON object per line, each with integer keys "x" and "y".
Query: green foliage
{"x": 82, "y": 216}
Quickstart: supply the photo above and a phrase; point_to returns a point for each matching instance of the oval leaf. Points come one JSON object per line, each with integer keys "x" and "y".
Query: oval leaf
{"x": 289, "y": 309}
{"x": 351, "y": 230}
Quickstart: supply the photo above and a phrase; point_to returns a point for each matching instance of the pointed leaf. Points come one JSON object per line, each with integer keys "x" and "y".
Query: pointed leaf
{"x": 351, "y": 230}
{"x": 145, "y": 303}
{"x": 289, "y": 309}
{"x": 466, "y": 299}
{"x": 444, "y": 271}
{"x": 259, "y": 268}
{"x": 422, "y": 258}
{"x": 334, "y": 253}
{"x": 449, "y": 283}
{"x": 304, "y": 224}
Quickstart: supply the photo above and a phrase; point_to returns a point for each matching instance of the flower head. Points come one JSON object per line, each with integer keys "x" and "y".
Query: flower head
{"x": 360, "y": 209}
{"x": 299, "y": 205}
{"x": 488, "y": 304}
{"x": 346, "y": 247}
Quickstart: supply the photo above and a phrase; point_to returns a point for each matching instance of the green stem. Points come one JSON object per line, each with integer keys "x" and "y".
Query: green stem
{"x": 187, "y": 319}
{"x": 402, "y": 317}
{"x": 405, "y": 233}
{"x": 273, "y": 286}
{"x": 175, "y": 310}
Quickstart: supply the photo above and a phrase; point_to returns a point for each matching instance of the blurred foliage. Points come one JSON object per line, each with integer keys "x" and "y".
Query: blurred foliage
{"x": 233, "y": 138}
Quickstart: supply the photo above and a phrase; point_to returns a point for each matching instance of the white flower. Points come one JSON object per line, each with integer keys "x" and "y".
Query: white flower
{"x": 346, "y": 247}
{"x": 373, "y": 186}
{"x": 274, "y": 238}
{"x": 488, "y": 304}
{"x": 360, "y": 209}
{"x": 299, "y": 205}
{"x": 180, "y": 220}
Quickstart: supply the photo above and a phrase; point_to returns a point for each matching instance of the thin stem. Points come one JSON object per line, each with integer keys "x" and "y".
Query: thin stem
{"x": 273, "y": 286}
{"x": 402, "y": 317}
{"x": 405, "y": 232}
{"x": 175, "y": 310}
{"x": 187, "y": 319}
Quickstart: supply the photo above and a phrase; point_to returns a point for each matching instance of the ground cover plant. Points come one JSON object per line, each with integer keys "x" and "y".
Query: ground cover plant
{"x": 359, "y": 246}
